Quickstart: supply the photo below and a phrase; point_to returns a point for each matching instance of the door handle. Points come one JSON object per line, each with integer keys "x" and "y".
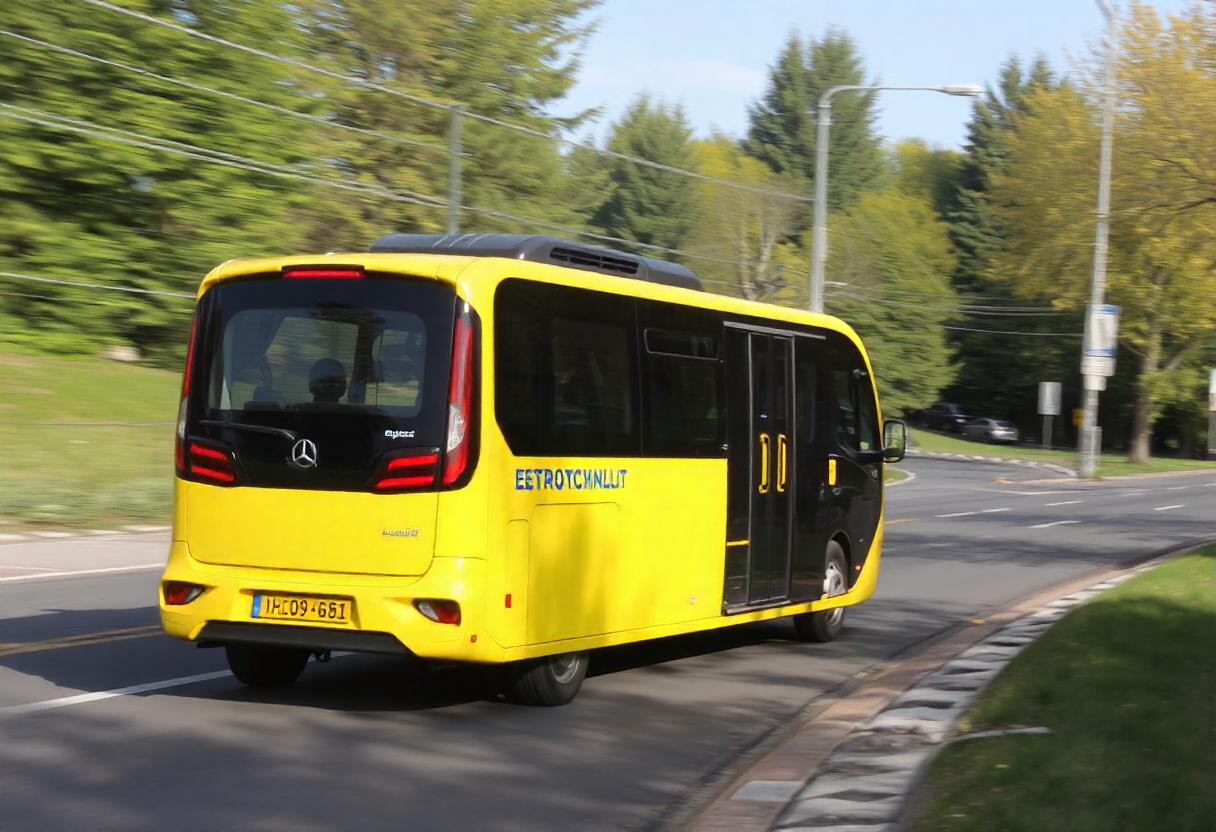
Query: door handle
{"x": 781, "y": 462}
{"x": 763, "y": 489}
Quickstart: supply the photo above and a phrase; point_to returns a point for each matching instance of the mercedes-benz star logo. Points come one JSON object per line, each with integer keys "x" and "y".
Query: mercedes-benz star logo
{"x": 304, "y": 454}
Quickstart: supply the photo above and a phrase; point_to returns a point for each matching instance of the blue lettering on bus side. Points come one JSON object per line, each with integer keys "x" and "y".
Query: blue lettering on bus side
{"x": 577, "y": 479}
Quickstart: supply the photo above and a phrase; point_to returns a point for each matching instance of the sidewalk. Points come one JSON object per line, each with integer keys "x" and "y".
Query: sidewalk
{"x": 65, "y": 554}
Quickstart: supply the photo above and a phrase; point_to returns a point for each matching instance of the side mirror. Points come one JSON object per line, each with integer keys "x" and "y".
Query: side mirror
{"x": 894, "y": 440}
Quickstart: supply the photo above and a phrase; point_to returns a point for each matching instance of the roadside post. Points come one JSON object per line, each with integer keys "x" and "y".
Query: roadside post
{"x": 1049, "y": 405}
{"x": 1097, "y": 365}
{"x": 1212, "y": 414}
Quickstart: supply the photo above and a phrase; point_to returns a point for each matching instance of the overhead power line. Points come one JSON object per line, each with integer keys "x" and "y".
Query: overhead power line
{"x": 427, "y": 102}
{"x": 128, "y": 137}
{"x": 223, "y": 93}
{"x": 59, "y": 281}
{"x": 1015, "y": 332}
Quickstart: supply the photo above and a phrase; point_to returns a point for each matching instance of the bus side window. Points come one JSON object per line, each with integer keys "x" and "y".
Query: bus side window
{"x": 845, "y": 409}
{"x": 867, "y": 416}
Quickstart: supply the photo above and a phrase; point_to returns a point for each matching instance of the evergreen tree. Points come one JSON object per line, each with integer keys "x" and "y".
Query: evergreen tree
{"x": 646, "y": 204}
{"x": 782, "y": 129}
{"x": 78, "y": 200}
{"x": 999, "y": 373}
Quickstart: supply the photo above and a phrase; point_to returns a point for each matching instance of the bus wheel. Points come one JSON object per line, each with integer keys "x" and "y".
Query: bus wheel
{"x": 826, "y": 625}
{"x": 553, "y": 680}
{"x": 264, "y": 666}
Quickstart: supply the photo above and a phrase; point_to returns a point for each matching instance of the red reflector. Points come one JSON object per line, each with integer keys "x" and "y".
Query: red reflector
{"x": 340, "y": 274}
{"x": 179, "y": 592}
{"x": 210, "y": 453}
{"x": 507, "y": 600}
{"x": 412, "y": 461}
{"x": 441, "y": 612}
{"x": 211, "y": 473}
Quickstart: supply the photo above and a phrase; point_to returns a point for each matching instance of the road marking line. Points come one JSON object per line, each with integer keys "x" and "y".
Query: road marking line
{"x": 73, "y": 573}
{"x": 898, "y": 520}
{"x": 993, "y": 510}
{"x": 12, "y": 538}
{"x": 14, "y": 648}
{"x": 1167, "y": 508}
{"x": 958, "y": 514}
{"x": 146, "y": 529}
{"x": 131, "y": 690}
{"x": 1177, "y": 487}
{"x": 51, "y": 535}
{"x": 1066, "y": 503}
{"x": 1056, "y": 523}
{"x": 27, "y": 568}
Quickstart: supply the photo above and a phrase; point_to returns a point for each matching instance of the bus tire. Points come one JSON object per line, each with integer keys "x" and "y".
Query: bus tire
{"x": 550, "y": 681}
{"x": 265, "y": 666}
{"x": 826, "y": 625}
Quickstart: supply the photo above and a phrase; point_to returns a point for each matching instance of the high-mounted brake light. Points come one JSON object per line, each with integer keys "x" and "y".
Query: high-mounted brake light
{"x": 179, "y": 444}
{"x": 460, "y": 399}
{"x": 337, "y": 274}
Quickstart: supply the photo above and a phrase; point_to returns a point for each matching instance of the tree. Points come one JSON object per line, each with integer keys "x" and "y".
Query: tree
{"x": 782, "y": 130}
{"x": 744, "y": 235}
{"x": 1162, "y": 267}
{"x": 894, "y": 258}
{"x": 646, "y": 204}
{"x": 929, "y": 172}
{"x": 79, "y": 200}
{"x": 998, "y": 372}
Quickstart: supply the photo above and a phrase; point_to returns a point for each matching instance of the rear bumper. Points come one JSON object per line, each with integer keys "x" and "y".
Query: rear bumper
{"x": 383, "y": 620}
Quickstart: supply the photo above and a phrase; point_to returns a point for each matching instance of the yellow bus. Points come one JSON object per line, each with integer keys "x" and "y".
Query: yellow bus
{"x": 511, "y": 449}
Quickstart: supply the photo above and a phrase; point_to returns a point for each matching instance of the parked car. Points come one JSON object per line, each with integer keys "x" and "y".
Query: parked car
{"x": 990, "y": 430}
{"x": 943, "y": 416}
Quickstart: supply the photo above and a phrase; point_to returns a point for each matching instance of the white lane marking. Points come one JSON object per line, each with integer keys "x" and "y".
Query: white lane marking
{"x": 73, "y": 573}
{"x": 146, "y": 528}
{"x": 51, "y": 535}
{"x": 1056, "y": 523}
{"x": 1177, "y": 488}
{"x": 993, "y": 510}
{"x": 958, "y": 514}
{"x": 1066, "y": 503}
{"x": 1167, "y": 508}
{"x": 27, "y": 568}
{"x": 83, "y": 698}
{"x": 12, "y": 538}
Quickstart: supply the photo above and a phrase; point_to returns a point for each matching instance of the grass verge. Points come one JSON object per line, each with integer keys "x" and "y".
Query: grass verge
{"x": 891, "y": 475}
{"x": 1127, "y": 685}
{"x": 1110, "y": 465}
{"x": 85, "y": 441}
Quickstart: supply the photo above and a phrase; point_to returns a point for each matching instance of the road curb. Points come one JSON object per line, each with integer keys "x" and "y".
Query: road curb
{"x": 851, "y": 738}
{"x": 34, "y": 535}
{"x": 1025, "y": 463}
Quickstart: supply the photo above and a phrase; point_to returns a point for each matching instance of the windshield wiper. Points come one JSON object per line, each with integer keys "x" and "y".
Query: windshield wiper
{"x": 283, "y": 432}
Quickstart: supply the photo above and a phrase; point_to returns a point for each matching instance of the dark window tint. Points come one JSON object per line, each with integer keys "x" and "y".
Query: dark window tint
{"x": 683, "y": 407}
{"x": 359, "y": 367}
{"x": 853, "y": 407}
{"x": 566, "y": 371}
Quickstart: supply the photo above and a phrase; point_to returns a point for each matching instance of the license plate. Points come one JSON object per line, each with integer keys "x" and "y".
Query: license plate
{"x": 302, "y": 608}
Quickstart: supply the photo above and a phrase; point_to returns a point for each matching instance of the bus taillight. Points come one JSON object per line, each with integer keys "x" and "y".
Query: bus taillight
{"x": 460, "y": 399}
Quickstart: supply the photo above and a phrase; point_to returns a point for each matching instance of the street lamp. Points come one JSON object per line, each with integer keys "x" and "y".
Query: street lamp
{"x": 819, "y": 240}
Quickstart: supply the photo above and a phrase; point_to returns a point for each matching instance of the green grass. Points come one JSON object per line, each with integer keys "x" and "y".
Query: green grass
{"x": 85, "y": 441}
{"x": 1127, "y": 685}
{"x": 1110, "y": 465}
{"x": 890, "y": 475}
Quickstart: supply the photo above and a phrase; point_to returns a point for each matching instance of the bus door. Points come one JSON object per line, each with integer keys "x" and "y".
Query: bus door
{"x": 760, "y": 466}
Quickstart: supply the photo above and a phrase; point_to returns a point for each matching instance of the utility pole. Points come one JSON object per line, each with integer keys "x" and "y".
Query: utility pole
{"x": 1091, "y": 434}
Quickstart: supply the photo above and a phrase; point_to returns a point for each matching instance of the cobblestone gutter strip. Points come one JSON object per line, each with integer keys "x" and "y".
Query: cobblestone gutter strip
{"x": 847, "y": 766}
{"x": 1026, "y": 463}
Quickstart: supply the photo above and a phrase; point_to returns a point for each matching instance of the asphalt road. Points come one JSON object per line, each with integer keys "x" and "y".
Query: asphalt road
{"x": 105, "y": 724}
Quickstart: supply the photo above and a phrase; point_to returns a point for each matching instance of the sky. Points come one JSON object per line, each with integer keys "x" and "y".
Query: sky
{"x": 712, "y": 56}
